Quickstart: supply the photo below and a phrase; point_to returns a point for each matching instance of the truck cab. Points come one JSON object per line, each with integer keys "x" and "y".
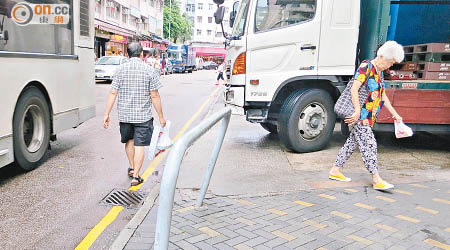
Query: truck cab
{"x": 287, "y": 62}
{"x": 182, "y": 57}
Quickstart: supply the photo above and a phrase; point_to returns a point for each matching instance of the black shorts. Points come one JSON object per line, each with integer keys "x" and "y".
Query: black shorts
{"x": 220, "y": 76}
{"x": 141, "y": 133}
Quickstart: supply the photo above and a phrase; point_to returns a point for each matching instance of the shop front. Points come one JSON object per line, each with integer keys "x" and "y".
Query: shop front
{"x": 214, "y": 54}
{"x": 101, "y": 38}
{"x": 111, "y": 39}
{"x": 116, "y": 45}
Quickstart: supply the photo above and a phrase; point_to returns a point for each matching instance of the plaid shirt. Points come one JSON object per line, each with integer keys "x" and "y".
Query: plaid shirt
{"x": 134, "y": 80}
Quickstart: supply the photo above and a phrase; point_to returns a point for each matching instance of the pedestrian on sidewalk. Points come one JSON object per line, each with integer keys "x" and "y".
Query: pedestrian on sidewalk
{"x": 369, "y": 75}
{"x": 136, "y": 85}
{"x": 220, "y": 71}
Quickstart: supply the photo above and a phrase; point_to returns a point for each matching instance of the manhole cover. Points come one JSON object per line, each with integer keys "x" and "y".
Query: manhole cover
{"x": 126, "y": 198}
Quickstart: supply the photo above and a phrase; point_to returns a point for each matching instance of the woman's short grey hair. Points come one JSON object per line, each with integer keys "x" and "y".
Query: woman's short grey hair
{"x": 134, "y": 50}
{"x": 391, "y": 50}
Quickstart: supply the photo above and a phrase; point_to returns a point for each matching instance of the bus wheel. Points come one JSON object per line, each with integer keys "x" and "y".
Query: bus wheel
{"x": 271, "y": 128}
{"x": 307, "y": 120}
{"x": 31, "y": 129}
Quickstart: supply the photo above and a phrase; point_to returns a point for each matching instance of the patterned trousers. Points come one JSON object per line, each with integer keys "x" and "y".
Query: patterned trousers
{"x": 363, "y": 137}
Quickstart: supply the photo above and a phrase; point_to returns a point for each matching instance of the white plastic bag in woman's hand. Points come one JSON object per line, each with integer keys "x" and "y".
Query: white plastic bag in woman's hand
{"x": 401, "y": 130}
{"x": 160, "y": 141}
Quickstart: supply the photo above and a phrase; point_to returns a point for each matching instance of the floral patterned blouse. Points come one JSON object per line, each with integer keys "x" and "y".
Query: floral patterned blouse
{"x": 367, "y": 74}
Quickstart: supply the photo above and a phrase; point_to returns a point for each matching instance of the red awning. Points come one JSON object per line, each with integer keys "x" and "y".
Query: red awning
{"x": 210, "y": 51}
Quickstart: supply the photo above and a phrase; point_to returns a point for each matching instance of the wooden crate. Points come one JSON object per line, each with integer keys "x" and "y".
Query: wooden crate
{"x": 429, "y": 57}
{"x": 406, "y": 66}
{"x": 428, "y": 75}
{"x": 432, "y": 47}
{"x": 430, "y": 66}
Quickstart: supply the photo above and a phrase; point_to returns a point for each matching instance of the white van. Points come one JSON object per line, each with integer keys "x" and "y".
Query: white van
{"x": 199, "y": 63}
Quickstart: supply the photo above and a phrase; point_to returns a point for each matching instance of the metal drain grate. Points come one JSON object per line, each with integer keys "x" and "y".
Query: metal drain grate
{"x": 126, "y": 198}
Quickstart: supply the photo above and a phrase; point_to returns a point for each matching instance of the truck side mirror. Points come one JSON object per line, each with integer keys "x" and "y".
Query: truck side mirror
{"x": 232, "y": 17}
{"x": 233, "y": 13}
{"x": 218, "y": 2}
{"x": 218, "y": 16}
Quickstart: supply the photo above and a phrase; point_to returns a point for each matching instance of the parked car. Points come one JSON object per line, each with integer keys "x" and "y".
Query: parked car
{"x": 210, "y": 65}
{"x": 169, "y": 66}
{"x": 106, "y": 67}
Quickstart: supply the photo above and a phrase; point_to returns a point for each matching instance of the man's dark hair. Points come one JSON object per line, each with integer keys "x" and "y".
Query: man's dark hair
{"x": 134, "y": 49}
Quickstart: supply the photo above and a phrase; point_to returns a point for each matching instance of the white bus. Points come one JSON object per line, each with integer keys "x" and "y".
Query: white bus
{"x": 46, "y": 80}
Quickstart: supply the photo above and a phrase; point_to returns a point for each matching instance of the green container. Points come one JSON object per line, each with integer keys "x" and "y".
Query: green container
{"x": 373, "y": 27}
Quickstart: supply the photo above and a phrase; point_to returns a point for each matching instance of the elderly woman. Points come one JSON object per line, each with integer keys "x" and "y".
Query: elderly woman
{"x": 369, "y": 74}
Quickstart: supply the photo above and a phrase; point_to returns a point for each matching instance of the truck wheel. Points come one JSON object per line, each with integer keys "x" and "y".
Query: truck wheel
{"x": 271, "y": 128}
{"x": 31, "y": 129}
{"x": 306, "y": 120}
{"x": 345, "y": 131}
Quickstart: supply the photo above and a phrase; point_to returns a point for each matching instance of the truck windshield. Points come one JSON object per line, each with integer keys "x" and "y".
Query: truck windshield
{"x": 241, "y": 17}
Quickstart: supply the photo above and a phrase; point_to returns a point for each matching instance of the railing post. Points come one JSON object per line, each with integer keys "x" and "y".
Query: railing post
{"x": 168, "y": 185}
{"x": 213, "y": 159}
{"x": 172, "y": 168}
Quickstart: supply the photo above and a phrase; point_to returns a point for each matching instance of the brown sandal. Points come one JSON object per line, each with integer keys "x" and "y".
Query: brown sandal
{"x": 130, "y": 172}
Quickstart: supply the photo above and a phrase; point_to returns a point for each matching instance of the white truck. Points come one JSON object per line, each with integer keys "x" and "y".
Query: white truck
{"x": 288, "y": 60}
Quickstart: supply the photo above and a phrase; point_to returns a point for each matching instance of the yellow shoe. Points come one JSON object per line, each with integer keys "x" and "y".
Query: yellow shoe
{"x": 339, "y": 177}
{"x": 382, "y": 185}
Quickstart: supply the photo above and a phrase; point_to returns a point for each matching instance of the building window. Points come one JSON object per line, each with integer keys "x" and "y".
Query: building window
{"x": 200, "y": 6}
{"x": 210, "y": 6}
{"x": 209, "y": 19}
{"x": 199, "y": 32}
{"x": 152, "y": 3}
{"x": 112, "y": 9}
{"x": 98, "y": 6}
{"x": 125, "y": 12}
{"x": 218, "y": 34}
{"x": 190, "y": 7}
{"x": 209, "y": 32}
{"x": 133, "y": 21}
{"x": 192, "y": 19}
{"x": 199, "y": 19}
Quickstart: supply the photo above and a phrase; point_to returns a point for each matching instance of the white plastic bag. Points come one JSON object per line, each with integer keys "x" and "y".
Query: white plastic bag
{"x": 401, "y": 130}
{"x": 160, "y": 141}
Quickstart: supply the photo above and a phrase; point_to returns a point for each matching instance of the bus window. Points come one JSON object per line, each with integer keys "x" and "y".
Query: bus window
{"x": 37, "y": 38}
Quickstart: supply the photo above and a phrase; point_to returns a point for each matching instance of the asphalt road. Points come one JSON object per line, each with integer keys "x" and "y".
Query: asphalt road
{"x": 56, "y": 205}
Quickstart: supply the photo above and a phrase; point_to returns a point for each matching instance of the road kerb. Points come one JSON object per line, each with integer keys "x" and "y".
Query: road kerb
{"x": 128, "y": 231}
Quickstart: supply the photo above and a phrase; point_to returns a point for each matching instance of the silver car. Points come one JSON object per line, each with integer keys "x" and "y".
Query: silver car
{"x": 106, "y": 67}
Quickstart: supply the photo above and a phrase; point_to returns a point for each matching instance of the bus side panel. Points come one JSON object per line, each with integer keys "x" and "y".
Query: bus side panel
{"x": 84, "y": 49}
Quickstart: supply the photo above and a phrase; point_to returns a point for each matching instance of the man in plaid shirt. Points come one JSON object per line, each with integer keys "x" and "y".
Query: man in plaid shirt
{"x": 136, "y": 84}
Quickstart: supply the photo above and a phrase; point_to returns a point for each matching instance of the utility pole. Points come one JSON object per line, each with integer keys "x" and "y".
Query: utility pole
{"x": 170, "y": 17}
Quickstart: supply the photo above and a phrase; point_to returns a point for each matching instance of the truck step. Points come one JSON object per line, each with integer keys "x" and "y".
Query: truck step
{"x": 428, "y": 75}
{"x": 430, "y": 66}
{"x": 428, "y": 57}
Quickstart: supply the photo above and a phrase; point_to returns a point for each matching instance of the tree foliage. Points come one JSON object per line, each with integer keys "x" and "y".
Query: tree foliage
{"x": 180, "y": 25}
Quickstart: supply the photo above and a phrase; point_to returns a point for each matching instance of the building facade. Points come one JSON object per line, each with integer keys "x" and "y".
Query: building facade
{"x": 119, "y": 22}
{"x": 201, "y": 13}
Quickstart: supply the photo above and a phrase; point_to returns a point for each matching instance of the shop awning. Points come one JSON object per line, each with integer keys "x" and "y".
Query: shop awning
{"x": 113, "y": 28}
{"x": 210, "y": 51}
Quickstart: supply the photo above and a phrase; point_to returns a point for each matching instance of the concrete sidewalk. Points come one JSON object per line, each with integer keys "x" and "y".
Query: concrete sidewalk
{"x": 263, "y": 197}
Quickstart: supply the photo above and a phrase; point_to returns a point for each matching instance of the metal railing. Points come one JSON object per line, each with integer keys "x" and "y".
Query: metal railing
{"x": 172, "y": 169}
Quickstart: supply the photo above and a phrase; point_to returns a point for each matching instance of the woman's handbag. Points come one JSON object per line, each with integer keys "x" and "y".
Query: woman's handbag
{"x": 344, "y": 106}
